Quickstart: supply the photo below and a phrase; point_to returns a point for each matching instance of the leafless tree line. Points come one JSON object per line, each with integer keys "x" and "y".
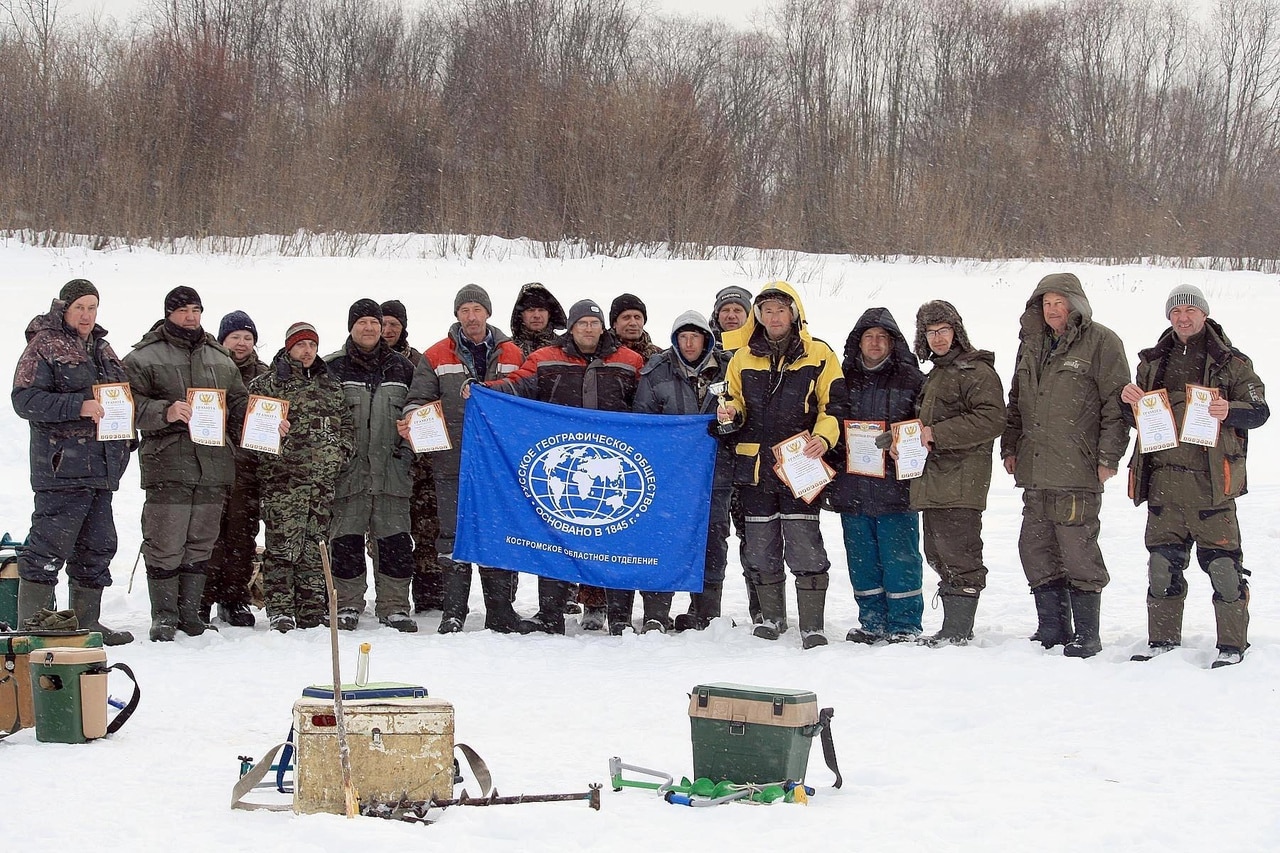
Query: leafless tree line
{"x": 1090, "y": 128}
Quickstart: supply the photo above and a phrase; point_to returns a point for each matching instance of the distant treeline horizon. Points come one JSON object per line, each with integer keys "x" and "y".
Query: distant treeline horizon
{"x": 1107, "y": 129}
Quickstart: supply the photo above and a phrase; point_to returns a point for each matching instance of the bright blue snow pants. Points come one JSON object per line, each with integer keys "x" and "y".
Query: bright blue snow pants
{"x": 886, "y": 571}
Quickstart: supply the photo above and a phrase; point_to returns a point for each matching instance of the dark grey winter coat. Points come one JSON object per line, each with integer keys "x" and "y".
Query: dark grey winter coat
{"x": 55, "y": 375}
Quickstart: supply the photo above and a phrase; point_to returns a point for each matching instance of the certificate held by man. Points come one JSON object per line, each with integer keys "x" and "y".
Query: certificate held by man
{"x": 208, "y": 423}
{"x": 1154, "y": 416}
{"x": 116, "y": 423}
{"x": 805, "y": 476}
{"x": 1198, "y": 426}
{"x": 911, "y": 451}
{"x": 262, "y": 419}
{"x": 861, "y": 454}
{"x": 427, "y": 430}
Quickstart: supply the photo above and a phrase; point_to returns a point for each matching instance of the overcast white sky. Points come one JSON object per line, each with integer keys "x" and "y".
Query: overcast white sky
{"x": 738, "y": 12}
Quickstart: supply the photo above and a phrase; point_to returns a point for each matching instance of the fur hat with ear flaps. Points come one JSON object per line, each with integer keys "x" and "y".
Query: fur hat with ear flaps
{"x": 932, "y": 313}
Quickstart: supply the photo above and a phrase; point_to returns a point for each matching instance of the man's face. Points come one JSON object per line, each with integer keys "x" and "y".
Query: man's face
{"x": 691, "y": 344}
{"x": 1057, "y": 308}
{"x": 731, "y": 316}
{"x": 240, "y": 343}
{"x": 473, "y": 318}
{"x": 587, "y": 333}
{"x": 874, "y": 345}
{"x": 939, "y": 336}
{"x": 187, "y": 317}
{"x": 366, "y": 333}
{"x": 1187, "y": 320}
{"x": 391, "y": 329}
{"x": 82, "y": 314}
{"x": 304, "y": 352}
{"x": 775, "y": 316}
{"x": 629, "y": 325}
{"x": 535, "y": 319}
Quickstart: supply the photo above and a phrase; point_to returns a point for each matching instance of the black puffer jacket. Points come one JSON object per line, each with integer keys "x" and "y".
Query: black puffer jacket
{"x": 887, "y": 394}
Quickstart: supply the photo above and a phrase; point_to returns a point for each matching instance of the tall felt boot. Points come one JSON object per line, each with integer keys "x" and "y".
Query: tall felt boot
{"x": 457, "y": 595}
{"x": 773, "y": 611}
{"x": 1087, "y": 607}
{"x": 87, "y": 603}
{"x": 553, "y": 598}
{"x": 191, "y": 616}
{"x": 958, "y": 612}
{"x": 428, "y": 588}
{"x": 1233, "y": 623}
{"x": 811, "y": 604}
{"x": 32, "y": 598}
{"x": 164, "y": 607}
{"x": 618, "y": 606}
{"x": 657, "y": 612}
{"x": 1053, "y": 614}
{"x": 496, "y": 586}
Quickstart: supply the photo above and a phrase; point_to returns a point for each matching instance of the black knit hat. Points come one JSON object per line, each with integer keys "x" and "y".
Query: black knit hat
{"x": 626, "y": 302}
{"x": 363, "y": 308}
{"x": 76, "y": 288}
{"x": 395, "y": 308}
{"x": 180, "y": 297}
{"x": 236, "y": 321}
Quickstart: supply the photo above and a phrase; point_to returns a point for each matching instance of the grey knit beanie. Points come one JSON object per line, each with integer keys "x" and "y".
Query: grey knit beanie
{"x": 472, "y": 293}
{"x": 1186, "y": 294}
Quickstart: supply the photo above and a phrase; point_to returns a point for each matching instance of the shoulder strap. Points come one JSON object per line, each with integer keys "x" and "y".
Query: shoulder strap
{"x": 8, "y": 678}
{"x": 828, "y": 743}
{"x": 249, "y": 781}
{"x": 132, "y": 705}
{"x": 479, "y": 770}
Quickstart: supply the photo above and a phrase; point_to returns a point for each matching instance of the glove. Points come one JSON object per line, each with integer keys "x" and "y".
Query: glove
{"x": 884, "y": 440}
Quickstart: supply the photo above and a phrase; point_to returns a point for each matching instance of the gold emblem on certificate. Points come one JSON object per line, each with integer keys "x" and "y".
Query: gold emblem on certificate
{"x": 804, "y": 476}
{"x": 262, "y": 419}
{"x": 208, "y": 424}
{"x": 1198, "y": 426}
{"x": 908, "y": 438}
{"x": 1154, "y": 417}
{"x": 116, "y": 400}
{"x": 427, "y": 430}
{"x": 861, "y": 454}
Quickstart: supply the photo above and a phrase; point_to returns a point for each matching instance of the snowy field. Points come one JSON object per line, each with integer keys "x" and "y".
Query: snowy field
{"x": 998, "y": 746}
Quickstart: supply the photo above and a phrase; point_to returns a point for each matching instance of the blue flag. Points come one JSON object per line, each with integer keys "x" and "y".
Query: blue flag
{"x": 603, "y": 498}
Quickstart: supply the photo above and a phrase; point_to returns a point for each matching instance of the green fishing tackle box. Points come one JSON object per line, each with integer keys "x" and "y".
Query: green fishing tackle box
{"x": 748, "y": 734}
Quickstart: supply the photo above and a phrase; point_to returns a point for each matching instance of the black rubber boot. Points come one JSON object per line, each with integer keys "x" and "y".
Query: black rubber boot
{"x": 657, "y": 612}
{"x": 773, "y": 611}
{"x": 87, "y": 603}
{"x": 553, "y": 597}
{"x": 191, "y": 616}
{"x": 457, "y": 593}
{"x": 496, "y": 586}
{"x": 703, "y": 607}
{"x": 618, "y": 606}
{"x": 1087, "y": 607}
{"x": 1053, "y": 614}
{"x": 958, "y": 613}
{"x": 164, "y": 607}
{"x": 811, "y": 605}
{"x": 753, "y": 602}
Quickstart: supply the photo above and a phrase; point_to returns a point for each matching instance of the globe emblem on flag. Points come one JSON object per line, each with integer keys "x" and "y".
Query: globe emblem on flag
{"x": 585, "y": 483}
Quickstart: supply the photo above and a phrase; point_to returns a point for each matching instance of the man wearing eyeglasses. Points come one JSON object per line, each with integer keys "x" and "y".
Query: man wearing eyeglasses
{"x": 961, "y": 407}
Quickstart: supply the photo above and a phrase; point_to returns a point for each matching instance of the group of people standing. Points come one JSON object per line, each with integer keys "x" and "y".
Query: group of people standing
{"x": 346, "y": 474}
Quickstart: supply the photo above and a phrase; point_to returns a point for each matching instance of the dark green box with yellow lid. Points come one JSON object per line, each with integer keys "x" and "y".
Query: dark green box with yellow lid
{"x": 749, "y": 734}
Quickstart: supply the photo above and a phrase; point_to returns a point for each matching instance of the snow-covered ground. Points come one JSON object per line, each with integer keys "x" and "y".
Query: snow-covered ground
{"x": 998, "y": 746}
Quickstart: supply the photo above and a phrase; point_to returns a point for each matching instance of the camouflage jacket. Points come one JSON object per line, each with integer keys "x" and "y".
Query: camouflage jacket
{"x": 321, "y": 435}
{"x": 55, "y": 375}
